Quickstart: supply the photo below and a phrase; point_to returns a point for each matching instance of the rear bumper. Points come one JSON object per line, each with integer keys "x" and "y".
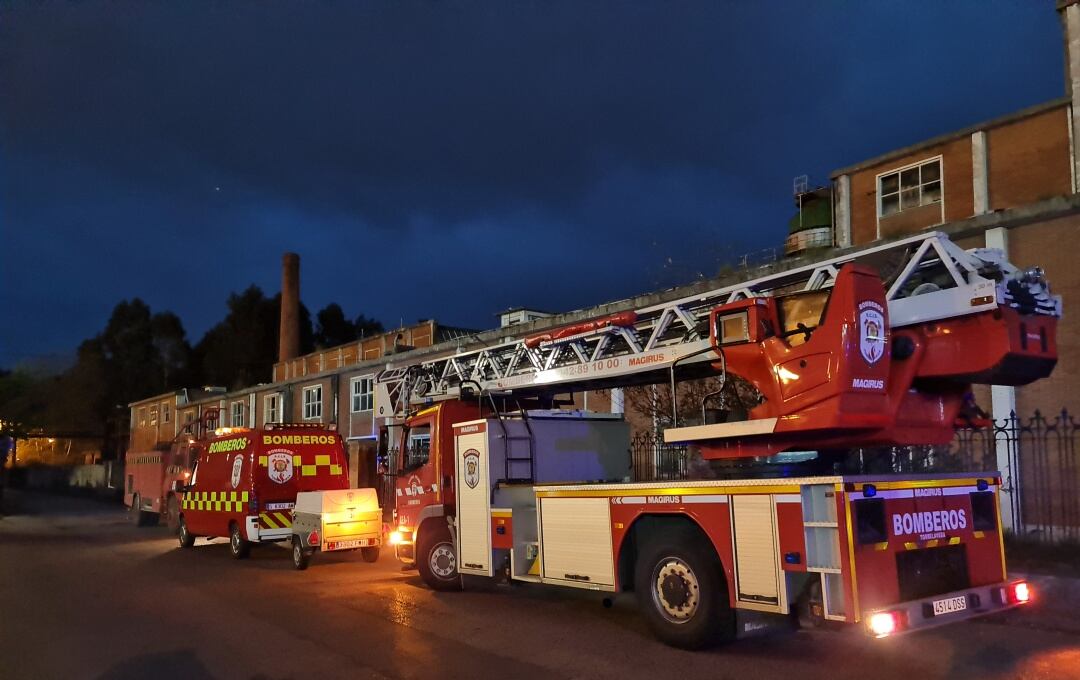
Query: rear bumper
{"x": 257, "y": 533}
{"x": 919, "y": 614}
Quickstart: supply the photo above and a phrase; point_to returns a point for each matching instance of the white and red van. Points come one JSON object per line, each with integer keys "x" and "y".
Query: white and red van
{"x": 245, "y": 482}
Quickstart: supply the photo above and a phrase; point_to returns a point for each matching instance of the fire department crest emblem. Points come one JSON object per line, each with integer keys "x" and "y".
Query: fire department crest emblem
{"x": 237, "y": 465}
{"x": 280, "y": 464}
{"x": 871, "y": 333}
{"x": 471, "y": 462}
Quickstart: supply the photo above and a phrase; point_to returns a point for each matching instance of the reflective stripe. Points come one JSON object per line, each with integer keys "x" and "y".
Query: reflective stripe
{"x": 215, "y": 501}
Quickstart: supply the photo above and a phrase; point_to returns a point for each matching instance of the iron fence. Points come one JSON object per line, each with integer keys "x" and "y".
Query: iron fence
{"x": 1037, "y": 458}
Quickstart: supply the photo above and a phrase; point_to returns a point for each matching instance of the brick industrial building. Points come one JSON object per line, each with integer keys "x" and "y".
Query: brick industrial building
{"x": 1008, "y": 183}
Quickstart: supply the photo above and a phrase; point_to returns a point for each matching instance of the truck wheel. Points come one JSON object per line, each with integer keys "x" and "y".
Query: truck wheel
{"x": 437, "y": 562}
{"x": 186, "y": 538}
{"x": 239, "y": 547}
{"x": 172, "y": 515}
{"x": 135, "y": 511}
{"x": 140, "y": 517}
{"x": 300, "y": 554}
{"x": 681, "y": 588}
{"x": 370, "y": 554}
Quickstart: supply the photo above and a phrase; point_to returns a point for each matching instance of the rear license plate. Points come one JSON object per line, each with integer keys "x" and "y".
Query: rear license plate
{"x": 348, "y": 545}
{"x": 950, "y": 605}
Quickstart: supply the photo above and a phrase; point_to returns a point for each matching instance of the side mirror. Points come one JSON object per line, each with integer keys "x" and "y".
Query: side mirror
{"x": 181, "y": 487}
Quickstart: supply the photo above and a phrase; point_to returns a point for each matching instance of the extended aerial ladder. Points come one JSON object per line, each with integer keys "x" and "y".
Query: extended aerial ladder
{"x": 875, "y": 347}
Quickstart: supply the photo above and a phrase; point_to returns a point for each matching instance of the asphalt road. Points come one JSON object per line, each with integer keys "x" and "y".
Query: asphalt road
{"x": 84, "y": 595}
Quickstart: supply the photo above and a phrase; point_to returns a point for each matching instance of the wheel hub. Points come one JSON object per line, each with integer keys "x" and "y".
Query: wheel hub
{"x": 443, "y": 562}
{"x": 676, "y": 590}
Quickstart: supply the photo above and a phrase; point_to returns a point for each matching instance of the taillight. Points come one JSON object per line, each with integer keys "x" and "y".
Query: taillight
{"x": 883, "y": 624}
{"x": 313, "y": 538}
{"x": 253, "y": 505}
{"x": 1019, "y": 592}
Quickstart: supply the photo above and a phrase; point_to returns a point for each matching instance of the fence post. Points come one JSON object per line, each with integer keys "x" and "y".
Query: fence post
{"x": 1003, "y": 404}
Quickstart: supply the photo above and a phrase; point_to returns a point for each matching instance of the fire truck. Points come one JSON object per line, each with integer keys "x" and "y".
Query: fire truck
{"x": 152, "y": 479}
{"x": 874, "y": 348}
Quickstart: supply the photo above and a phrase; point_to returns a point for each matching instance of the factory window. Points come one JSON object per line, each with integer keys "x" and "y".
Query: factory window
{"x": 363, "y": 394}
{"x": 142, "y": 416}
{"x": 153, "y": 414}
{"x": 909, "y": 187}
{"x": 166, "y": 413}
{"x": 313, "y": 402}
{"x": 237, "y": 414}
{"x": 272, "y": 408}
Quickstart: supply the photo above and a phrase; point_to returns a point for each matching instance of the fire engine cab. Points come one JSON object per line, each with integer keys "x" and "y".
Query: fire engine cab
{"x": 245, "y": 483}
{"x": 877, "y": 348}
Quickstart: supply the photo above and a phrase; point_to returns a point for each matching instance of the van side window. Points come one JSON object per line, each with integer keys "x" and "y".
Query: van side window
{"x": 418, "y": 448}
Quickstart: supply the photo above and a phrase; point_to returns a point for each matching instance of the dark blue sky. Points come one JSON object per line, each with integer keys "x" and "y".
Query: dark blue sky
{"x": 451, "y": 159}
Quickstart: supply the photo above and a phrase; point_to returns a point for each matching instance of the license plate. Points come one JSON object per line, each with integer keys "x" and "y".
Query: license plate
{"x": 950, "y": 605}
{"x": 347, "y": 545}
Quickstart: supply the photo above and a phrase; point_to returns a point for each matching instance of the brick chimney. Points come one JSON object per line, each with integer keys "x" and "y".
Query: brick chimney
{"x": 289, "y": 333}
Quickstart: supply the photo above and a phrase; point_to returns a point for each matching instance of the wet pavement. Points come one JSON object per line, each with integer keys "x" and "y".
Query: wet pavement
{"x": 85, "y": 595}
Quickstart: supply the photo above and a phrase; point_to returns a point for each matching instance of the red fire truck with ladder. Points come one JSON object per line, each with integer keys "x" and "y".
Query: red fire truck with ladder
{"x": 877, "y": 347}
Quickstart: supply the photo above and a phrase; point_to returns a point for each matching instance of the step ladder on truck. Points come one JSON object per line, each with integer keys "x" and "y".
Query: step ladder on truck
{"x": 876, "y": 348}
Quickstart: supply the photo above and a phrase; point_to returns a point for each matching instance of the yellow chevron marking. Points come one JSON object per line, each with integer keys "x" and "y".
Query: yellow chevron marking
{"x": 269, "y": 522}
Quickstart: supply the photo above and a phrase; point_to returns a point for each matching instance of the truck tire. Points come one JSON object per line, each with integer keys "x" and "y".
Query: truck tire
{"x": 187, "y": 539}
{"x": 682, "y": 592}
{"x": 172, "y": 515}
{"x": 138, "y": 516}
{"x": 239, "y": 547}
{"x": 301, "y": 556}
{"x": 135, "y": 511}
{"x": 370, "y": 554}
{"x": 437, "y": 561}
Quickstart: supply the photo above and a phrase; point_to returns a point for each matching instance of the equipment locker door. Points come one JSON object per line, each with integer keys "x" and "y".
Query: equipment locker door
{"x": 757, "y": 567}
{"x": 473, "y": 503}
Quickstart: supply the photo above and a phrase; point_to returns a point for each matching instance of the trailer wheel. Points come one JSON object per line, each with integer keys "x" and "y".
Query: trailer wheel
{"x": 437, "y": 561}
{"x": 370, "y": 554}
{"x": 239, "y": 547}
{"x": 172, "y": 515}
{"x": 680, "y": 587}
{"x": 186, "y": 538}
{"x": 300, "y": 554}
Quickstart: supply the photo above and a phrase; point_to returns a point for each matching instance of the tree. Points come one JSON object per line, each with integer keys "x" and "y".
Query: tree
{"x": 332, "y": 328}
{"x": 365, "y": 327}
{"x": 242, "y": 348}
{"x": 654, "y": 401}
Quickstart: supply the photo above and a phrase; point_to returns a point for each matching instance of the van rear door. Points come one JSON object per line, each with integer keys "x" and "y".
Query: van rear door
{"x": 294, "y": 461}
